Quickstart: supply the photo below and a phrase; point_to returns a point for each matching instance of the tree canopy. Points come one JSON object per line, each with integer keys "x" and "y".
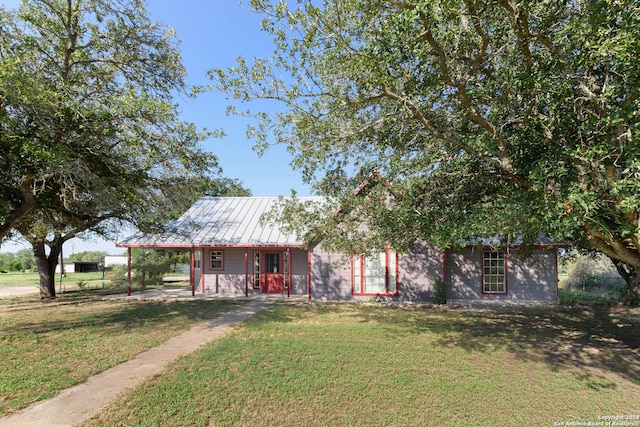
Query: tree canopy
{"x": 508, "y": 117}
{"x": 89, "y": 131}
{"x": 88, "y": 256}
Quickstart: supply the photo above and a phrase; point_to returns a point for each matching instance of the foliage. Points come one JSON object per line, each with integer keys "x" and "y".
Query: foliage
{"x": 93, "y": 256}
{"x": 228, "y": 187}
{"x": 510, "y": 118}
{"x": 592, "y": 272}
{"x": 630, "y": 296}
{"x": 118, "y": 273}
{"x": 20, "y": 261}
{"x": 89, "y": 132}
{"x": 12, "y": 265}
{"x": 150, "y": 265}
{"x": 439, "y": 291}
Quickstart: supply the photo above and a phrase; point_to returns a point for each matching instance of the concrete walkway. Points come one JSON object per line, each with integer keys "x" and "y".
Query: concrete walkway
{"x": 76, "y": 404}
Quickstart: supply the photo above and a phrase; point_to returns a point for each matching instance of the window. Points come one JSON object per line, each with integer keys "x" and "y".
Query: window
{"x": 216, "y": 260}
{"x": 196, "y": 259}
{"x": 494, "y": 273}
{"x": 285, "y": 268}
{"x": 376, "y": 275}
{"x": 272, "y": 263}
{"x": 256, "y": 270}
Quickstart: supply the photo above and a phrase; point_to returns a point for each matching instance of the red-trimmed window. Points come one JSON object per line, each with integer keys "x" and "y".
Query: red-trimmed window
{"x": 217, "y": 260}
{"x": 376, "y": 274}
{"x": 494, "y": 272}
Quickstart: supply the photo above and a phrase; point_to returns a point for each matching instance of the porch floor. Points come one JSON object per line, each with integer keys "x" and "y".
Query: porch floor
{"x": 184, "y": 293}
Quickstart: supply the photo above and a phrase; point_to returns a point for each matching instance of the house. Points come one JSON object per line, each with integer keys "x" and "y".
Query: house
{"x": 232, "y": 251}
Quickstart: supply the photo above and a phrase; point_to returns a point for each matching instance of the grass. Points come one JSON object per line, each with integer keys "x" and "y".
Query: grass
{"x": 49, "y": 346}
{"x": 364, "y": 365}
{"x": 573, "y": 297}
{"x": 32, "y": 279}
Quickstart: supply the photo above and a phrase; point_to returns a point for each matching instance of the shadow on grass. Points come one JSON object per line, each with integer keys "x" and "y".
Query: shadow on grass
{"x": 115, "y": 316}
{"x": 585, "y": 340}
{"x": 588, "y": 341}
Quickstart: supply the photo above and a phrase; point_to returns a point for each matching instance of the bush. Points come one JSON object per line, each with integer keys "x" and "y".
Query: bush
{"x": 13, "y": 265}
{"x": 593, "y": 273}
{"x": 118, "y": 273}
{"x": 439, "y": 291}
{"x": 630, "y": 298}
{"x": 568, "y": 297}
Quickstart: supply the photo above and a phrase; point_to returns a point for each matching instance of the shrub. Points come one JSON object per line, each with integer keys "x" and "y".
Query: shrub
{"x": 593, "y": 273}
{"x": 13, "y": 265}
{"x": 569, "y": 297}
{"x": 439, "y": 291}
{"x": 631, "y": 298}
{"x": 118, "y": 273}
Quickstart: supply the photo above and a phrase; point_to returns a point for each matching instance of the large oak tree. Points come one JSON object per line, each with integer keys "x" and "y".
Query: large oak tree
{"x": 89, "y": 132}
{"x": 508, "y": 117}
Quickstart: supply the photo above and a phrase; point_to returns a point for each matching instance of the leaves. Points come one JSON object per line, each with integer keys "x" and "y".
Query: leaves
{"x": 89, "y": 131}
{"x": 511, "y": 118}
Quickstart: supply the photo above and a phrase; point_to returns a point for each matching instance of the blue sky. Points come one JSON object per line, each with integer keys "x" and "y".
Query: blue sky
{"x": 213, "y": 34}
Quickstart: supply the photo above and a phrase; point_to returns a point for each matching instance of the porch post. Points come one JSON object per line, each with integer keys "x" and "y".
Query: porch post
{"x": 288, "y": 272}
{"x": 246, "y": 272}
{"x": 192, "y": 272}
{"x": 129, "y": 265}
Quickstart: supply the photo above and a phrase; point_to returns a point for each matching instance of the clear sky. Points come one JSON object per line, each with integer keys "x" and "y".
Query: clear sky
{"x": 213, "y": 34}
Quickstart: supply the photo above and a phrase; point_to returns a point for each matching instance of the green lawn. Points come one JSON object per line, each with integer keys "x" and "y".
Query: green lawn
{"x": 363, "y": 365}
{"x": 49, "y": 346}
{"x": 32, "y": 279}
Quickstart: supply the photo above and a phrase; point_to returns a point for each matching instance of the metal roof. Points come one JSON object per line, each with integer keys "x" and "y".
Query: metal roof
{"x": 221, "y": 221}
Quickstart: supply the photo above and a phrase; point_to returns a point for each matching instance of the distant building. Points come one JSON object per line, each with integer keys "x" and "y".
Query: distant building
{"x": 80, "y": 267}
{"x": 111, "y": 260}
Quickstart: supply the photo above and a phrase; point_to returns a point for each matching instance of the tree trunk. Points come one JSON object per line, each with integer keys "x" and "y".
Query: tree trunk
{"x": 46, "y": 269}
{"x": 630, "y": 274}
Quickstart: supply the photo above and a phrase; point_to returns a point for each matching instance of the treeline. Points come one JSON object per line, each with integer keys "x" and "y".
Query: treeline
{"x": 23, "y": 260}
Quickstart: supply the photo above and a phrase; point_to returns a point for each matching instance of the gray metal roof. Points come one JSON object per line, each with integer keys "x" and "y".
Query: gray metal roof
{"x": 221, "y": 221}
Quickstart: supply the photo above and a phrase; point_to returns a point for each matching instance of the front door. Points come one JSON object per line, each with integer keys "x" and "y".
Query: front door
{"x": 272, "y": 273}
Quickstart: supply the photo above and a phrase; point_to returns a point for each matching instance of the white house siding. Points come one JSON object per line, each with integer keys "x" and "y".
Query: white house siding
{"x": 531, "y": 275}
